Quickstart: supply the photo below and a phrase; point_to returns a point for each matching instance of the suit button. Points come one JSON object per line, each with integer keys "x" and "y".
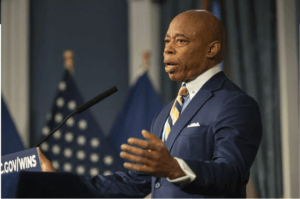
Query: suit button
{"x": 157, "y": 185}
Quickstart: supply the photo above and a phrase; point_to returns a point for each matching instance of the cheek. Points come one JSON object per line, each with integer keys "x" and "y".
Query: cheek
{"x": 187, "y": 56}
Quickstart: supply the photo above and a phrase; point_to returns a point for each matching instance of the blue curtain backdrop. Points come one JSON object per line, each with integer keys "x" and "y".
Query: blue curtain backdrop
{"x": 252, "y": 54}
{"x": 96, "y": 31}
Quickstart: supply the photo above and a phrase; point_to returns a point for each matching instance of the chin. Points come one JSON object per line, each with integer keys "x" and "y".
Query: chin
{"x": 175, "y": 78}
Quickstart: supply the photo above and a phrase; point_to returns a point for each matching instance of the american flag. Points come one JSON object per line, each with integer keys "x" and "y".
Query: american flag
{"x": 79, "y": 146}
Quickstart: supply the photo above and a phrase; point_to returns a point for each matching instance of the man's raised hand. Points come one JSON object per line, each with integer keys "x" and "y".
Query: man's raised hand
{"x": 154, "y": 158}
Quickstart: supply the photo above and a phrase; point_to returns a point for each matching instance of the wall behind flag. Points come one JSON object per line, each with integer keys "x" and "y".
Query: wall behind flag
{"x": 96, "y": 31}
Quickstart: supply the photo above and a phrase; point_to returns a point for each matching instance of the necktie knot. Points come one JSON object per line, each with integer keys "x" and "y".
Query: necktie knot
{"x": 183, "y": 91}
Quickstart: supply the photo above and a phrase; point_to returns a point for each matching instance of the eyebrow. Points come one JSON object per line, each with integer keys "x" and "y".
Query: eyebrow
{"x": 177, "y": 35}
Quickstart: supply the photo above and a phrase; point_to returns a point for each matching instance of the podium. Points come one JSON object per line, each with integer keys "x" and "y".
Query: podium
{"x": 11, "y": 166}
{"x": 52, "y": 185}
{"x": 22, "y": 177}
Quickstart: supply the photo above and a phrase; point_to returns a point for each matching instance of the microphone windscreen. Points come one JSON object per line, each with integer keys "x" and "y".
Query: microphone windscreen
{"x": 96, "y": 99}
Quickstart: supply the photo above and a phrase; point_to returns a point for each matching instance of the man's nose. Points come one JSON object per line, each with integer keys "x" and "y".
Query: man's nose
{"x": 169, "y": 49}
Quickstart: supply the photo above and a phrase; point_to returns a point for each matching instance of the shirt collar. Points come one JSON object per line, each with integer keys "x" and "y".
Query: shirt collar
{"x": 195, "y": 85}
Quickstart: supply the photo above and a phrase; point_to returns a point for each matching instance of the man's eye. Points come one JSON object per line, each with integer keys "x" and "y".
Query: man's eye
{"x": 167, "y": 41}
{"x": 181, "y": 40}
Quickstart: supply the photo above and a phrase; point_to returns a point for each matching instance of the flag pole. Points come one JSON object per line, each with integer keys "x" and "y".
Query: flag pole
{"x": 146, "y": 60}
{"x": 68, "y": 64}
{"x": 205, "y": 5}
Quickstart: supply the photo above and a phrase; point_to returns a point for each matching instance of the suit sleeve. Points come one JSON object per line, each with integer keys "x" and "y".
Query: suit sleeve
{"x": 128, "y": 184}
{"x": 237, "y": 131}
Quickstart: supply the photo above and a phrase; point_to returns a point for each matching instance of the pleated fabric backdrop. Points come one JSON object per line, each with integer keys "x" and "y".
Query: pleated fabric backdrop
{"x": 252, "y": 54}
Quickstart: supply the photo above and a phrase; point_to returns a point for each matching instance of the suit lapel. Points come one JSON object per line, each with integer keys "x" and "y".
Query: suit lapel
{"x": 203, "y": 95}
{"x": 161, "y": 120}
{"x": 195, "y": 104}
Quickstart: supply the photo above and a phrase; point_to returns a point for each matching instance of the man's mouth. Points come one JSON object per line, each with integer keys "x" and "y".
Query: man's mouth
{"x": 170, "y": 68}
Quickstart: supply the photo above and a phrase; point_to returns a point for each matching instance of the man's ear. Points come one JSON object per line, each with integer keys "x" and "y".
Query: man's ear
{"x": 214, "y": 48}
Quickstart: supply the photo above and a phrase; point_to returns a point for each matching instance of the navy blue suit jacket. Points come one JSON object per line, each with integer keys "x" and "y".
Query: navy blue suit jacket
{"x": 220, "y": 152}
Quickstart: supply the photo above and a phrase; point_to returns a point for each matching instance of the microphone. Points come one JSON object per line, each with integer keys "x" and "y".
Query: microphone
{"x": 83, "y": 107}
{"x": 96, "y": 99}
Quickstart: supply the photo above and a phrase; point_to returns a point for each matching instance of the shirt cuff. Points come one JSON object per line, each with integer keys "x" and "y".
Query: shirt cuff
{"x": 189, "y": 174}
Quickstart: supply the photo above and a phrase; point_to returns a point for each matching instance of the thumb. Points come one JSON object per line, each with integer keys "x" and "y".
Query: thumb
{"x": 46, "y": 164}
{"x": 42, "y": 156}
{"x": 150, "y": 136}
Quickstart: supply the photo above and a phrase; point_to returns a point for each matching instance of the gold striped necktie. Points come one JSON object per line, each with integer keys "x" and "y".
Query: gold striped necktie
{"x": 176, "y": 110}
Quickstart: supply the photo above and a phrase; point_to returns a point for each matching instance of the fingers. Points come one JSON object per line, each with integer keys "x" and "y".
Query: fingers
{"x": 141, "y": 143}
{"x": 150, "y": 136}
{"x": 139, "y": 168}
{"x": 136, "y": 159}
{"x": 136, "y": 151}
{"x": 146, "y": 144}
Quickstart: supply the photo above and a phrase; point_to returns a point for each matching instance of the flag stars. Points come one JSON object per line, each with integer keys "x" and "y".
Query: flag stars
{"x": 62, "y": 86}
{"x": 56, "y": 149}
{"x": 55, "y": 164}
{"x": 94, "y": 142}
{"x": 58, "y": 117}
{"x": 67, "y": 167}
{"x": 107, "y": 172}
{"x": 60, "y": 102}
{"x": 94, "y": 157}
{"x": 45, "y": 146}
{"x": 45, "y": 130}
{"x": 80, "y": 170}
{"x": 69, "y": 137}
{"x": 70, "y": 122}
{"x": 108, "y": 160}
{"x": 57, "y": 134}
{"x": 71, "y": 150}
{"x": 81, "y": 140}
{"x": 68, "y": 153}
{"x": 94, "y": 172}
{"x": 82, "y": 124}
{"x": 71, "y": 105}
{"x": 80, "y": 155}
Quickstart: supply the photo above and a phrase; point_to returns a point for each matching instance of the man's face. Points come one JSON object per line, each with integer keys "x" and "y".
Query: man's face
{"x": 184, "y": 54}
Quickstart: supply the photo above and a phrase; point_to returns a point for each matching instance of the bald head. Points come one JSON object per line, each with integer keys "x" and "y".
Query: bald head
{"x": 205, "y": 25}
{"x": 193, "y": 44}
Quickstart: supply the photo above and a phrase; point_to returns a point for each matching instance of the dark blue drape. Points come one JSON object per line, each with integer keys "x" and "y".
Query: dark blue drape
{"x": 252, "y": 54}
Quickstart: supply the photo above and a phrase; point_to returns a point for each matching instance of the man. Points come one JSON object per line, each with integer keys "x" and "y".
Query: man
{"x": 204, "y": 142}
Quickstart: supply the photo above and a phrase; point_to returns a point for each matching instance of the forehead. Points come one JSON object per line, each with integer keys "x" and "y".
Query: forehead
{"x": 185, "y": 24}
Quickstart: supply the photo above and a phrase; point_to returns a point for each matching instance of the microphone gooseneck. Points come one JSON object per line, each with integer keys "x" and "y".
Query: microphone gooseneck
{"x": 73, "y": 113}
{"x": 96, "y": 99}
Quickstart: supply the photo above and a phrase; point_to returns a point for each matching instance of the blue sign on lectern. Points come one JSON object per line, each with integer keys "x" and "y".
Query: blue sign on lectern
{"x": 27, "y": 160}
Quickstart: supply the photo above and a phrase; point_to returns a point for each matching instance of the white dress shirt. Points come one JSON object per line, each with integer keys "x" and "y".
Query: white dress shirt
{"x": 193, "y": 87}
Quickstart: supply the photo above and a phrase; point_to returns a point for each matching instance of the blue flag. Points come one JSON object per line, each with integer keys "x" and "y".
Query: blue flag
{"x": 79, "y": 146}
{"x": 10, "y": 143}
{"x": 140, "y": 108}
{"x": 10, "y": 140}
